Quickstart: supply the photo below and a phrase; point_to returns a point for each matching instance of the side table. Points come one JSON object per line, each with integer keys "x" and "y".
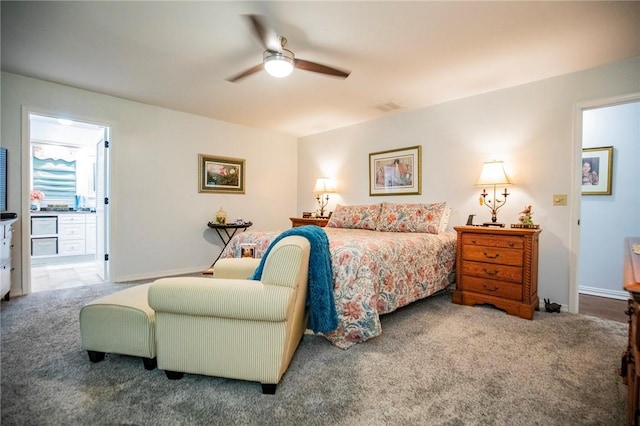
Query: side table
{"x": 300, "y": 221}
{"x": 225, "y": 232}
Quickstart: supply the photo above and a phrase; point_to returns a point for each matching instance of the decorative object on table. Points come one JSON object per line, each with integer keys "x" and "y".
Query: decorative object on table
{"x": 247, "y": 250}
{"x": 493, "y": 174}
{"x": 597, "y": 169}
{"x": 324, "y": 187}
{"x": 220, "y": 174}
{"x": 36, "y": 196}
{"x": 221, "y": 216}
{"x": 396, "y": 171}
{"x": 550, "y": 306}
{"x": 525, "y": 219}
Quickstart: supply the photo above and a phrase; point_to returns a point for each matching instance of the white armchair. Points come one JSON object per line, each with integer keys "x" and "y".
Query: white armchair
{"x": 234, "y": 328}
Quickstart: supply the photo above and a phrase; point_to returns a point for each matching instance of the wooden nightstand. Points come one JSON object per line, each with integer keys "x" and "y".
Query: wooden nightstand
{"x": 299, "y": 221}
{"x": 499, "y": 267}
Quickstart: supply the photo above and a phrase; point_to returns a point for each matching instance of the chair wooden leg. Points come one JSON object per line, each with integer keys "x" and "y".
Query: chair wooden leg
{"x": 95, "y": 356}
{"x": 173, "y": 375}
{"x": 268, "y": 388}
{"x": 150, "y": 363}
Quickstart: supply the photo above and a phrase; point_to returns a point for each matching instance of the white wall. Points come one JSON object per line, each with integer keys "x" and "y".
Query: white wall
{"x": 530, "y": 127}
{"x": 606, "y": 220}
{"x": 159, "y": 220}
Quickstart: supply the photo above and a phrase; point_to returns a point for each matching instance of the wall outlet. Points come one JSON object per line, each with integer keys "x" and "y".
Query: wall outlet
{"x": 559, "y": 199}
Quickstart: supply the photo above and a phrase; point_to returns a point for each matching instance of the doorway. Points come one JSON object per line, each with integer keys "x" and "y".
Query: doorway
{"x": 68, "y": 221}
{"x": 601, "y": 219}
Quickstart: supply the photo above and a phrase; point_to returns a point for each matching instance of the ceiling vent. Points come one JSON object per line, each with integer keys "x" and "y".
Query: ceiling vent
{"x": 389, "y": 106}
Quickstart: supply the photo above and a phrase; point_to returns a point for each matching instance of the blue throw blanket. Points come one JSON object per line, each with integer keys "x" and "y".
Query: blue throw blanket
{"x": 323, "y": 317}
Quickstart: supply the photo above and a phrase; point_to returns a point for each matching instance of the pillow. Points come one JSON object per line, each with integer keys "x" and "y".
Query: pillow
{"x": 444, "y": 219}
{"x": 355, "y": 217}
{"x": 424, "y": 218}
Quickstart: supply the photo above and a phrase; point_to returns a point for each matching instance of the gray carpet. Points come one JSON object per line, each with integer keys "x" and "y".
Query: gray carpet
{"x": 436, "y": 363}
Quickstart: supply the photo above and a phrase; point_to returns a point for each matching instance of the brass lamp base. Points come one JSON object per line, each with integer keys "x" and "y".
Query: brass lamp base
{"x": 499, "y": 225}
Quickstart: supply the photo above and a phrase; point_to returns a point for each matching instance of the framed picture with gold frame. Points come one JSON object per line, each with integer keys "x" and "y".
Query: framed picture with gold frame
{"x": 222, "y": 175}
{"x": 396, "y": 171}
{"x": 597, "y": 169}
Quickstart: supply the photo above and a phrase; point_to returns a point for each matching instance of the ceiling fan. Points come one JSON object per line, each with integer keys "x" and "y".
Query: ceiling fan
{"x": 278, "y": 61}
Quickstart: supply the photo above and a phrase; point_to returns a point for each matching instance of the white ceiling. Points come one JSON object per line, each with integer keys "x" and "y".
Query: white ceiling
{"x": 412, "y": 54}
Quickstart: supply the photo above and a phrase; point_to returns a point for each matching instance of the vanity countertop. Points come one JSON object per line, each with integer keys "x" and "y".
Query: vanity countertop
{"x": 55, "y": 212}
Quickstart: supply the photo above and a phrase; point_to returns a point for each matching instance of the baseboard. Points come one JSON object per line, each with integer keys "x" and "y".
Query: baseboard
{"x": 602, "y": 292}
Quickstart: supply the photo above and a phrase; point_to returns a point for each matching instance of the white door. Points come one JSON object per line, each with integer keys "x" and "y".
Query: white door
{"x": 102, "y": 206}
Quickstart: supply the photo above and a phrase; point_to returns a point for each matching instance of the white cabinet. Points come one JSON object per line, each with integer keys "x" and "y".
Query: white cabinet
{"x": 63, "y": 234}
{"x": 6, "y": 233}
{"x": 71, "y": 234}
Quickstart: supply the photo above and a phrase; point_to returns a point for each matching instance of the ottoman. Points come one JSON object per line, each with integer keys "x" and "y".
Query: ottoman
{"x": 121, "y": 323}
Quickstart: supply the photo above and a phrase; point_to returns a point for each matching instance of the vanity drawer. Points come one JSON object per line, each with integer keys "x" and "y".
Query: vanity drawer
{"x": 72, "y": 218}
{"x": 72, "y": 230}
{"x": 72, "y": 248}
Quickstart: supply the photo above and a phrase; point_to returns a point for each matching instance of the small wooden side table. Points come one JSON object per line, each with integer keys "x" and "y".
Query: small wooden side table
{"x": 498, "y": 266}
{"x": 300, "y": 221}
{"x": 225, "y": 232}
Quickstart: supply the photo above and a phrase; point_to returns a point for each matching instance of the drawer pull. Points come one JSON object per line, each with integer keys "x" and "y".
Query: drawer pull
{"x": 494, "y": 272}
{"x": 489, "y": 289}
{"x": 495, "y": 256}
{"x": 510, "y": 243}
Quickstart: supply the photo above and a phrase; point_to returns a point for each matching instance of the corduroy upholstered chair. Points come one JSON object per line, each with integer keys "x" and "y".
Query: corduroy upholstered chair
{"x": 234, "y": 328}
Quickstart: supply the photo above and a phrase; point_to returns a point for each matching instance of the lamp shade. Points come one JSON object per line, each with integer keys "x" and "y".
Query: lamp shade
{"x": 493, "y": 174}
{"x": 278, "y": 64}
{"x": 324, "y": 185}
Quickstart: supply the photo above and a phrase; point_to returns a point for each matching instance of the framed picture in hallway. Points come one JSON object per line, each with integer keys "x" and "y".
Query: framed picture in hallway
{"x": 220, "y": 174}
{"x": 597, "y": 169}
{"x": 395, "y": 172}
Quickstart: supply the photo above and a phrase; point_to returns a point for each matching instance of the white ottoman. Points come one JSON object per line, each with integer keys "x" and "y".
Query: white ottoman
{"x": 121, "y": 323}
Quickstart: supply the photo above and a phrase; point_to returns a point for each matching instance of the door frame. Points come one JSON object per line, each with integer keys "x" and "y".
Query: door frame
{"x": 26, "y": 176}
{"x": 576, "y": 187}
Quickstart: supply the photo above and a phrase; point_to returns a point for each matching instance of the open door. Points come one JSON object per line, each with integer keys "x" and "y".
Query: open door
{"x": 102, "y": 206}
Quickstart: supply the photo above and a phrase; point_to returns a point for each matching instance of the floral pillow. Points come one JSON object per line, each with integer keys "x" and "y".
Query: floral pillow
{"x": 411, "y": 217}
{"x": 444, "y": 219}
{"x": 355, "y": 217}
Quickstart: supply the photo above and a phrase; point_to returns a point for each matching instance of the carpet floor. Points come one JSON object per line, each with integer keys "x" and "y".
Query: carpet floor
{"x": 436, "y": 363}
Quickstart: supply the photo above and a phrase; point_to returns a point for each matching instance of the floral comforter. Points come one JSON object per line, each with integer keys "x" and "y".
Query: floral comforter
{"x": 374, "y": 273}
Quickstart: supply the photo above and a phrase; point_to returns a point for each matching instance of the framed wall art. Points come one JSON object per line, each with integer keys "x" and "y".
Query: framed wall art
{"x": 597, "y": 169}
{"x": 220, "y": 174}
{"x": 395, "y": 172}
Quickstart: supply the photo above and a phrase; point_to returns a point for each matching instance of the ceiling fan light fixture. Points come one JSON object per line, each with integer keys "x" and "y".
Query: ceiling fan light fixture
{"x": 278, "y": 64}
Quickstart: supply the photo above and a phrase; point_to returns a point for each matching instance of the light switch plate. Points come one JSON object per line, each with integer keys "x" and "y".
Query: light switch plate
{"x": 559, "y": 199}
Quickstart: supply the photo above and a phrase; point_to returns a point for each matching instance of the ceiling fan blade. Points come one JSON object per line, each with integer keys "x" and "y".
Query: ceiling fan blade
{"x": 322, "y": 69}
{"x": 265, "y": 35}
{"x": 246, "y": 73}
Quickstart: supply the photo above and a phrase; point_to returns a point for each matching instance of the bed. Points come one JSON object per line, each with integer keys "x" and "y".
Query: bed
{"x": 384, "y": 256}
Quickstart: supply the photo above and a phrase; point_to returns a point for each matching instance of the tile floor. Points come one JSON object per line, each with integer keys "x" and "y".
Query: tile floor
{"x": 53, "y": 277}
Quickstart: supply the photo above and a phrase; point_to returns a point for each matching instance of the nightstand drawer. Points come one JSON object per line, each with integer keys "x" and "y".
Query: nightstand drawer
{"x": 495, "y": 288}
{"x": 493, "y": 241}
{"x": 502, "y": 256}
{"x": 493, "y": 271}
